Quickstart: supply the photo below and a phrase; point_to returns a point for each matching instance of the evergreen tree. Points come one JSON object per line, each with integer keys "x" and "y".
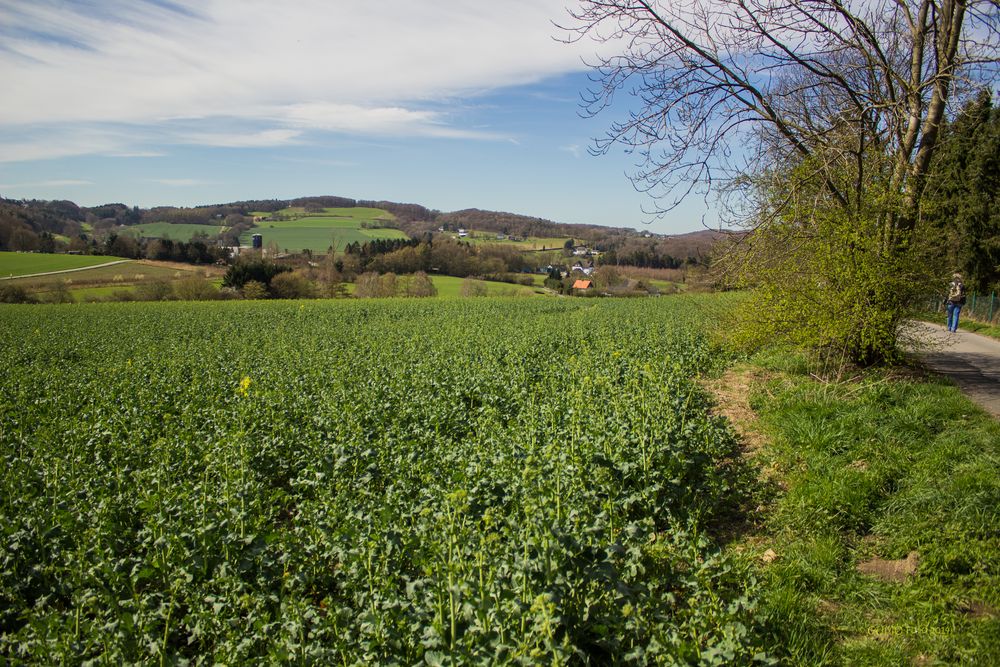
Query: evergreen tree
{"x": 963, "y": 207}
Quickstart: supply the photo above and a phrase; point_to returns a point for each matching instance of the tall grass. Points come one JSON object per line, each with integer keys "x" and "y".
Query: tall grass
{"x": 879, "y": 466}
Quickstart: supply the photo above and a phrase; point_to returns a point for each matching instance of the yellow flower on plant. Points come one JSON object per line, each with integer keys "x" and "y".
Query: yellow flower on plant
{"x": 244, "y": 388}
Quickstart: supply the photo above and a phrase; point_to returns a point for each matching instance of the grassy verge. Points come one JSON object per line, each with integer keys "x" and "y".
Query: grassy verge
{"x": 878, "y": 539}
{"x": 966, "y": 324}
{"x": 982, "y": 328}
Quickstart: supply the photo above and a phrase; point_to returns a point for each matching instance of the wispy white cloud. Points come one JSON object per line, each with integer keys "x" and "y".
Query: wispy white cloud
{"x": 52, "y": 183}
{"x": 60, "y": 142}
{"x": 180, "y": 182}
{"x": 384, "y": 68}
{"x": 382, "y": 120}
{"x": 138, "y": 154}
{"x": 573, "y": 149}
{"x": 262, "y": 139}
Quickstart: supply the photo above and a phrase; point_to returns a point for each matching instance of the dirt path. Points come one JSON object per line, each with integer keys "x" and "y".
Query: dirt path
{"x": 970, "y": 360}
{"x": 82, "y": 268}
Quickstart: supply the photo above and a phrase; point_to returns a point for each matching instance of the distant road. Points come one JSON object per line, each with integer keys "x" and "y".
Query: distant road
{"x": 970, "y": 360}
{"x": 82, "y": 268}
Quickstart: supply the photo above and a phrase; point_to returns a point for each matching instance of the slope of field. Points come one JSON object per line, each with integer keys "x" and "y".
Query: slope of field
{"x": 449, "y": 286}
{"x": 125, "y": 274}
{"x": 485, "y": 481}
{"x": 356, "y": 213}
{"x": 173, "y": 231}
{"x": 336, "y": 227}
{"x": 27, "y": 263}
{"x": 528, "y": 243}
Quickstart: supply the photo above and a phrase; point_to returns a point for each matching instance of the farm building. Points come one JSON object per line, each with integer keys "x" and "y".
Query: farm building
{"x": 583, "y": 285}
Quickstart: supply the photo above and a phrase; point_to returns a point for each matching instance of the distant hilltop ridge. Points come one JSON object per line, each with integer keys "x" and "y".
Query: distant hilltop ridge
{"x": 20, "y": 220}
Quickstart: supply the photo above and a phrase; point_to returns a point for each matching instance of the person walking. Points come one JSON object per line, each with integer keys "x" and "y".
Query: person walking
{"x": 955, "y": 300}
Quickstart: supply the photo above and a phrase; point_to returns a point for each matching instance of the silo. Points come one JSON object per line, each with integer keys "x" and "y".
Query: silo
{"x": 257, "y": 241}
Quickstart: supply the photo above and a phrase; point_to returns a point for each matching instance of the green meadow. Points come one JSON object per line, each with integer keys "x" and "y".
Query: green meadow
{"x": 101, "y": 281}
{"x": 449, "y": 287}
{"x": 478, "y": 237}
{"x": 26, "y": 263}
{"x": 356, "y": 213}
{"x": 293, "y": 237}
{"x": 335, "y": 227}
{"x": 175, "y": 232}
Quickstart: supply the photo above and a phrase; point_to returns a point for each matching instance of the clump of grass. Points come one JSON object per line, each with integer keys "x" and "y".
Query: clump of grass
{"x": 879, "y": 466}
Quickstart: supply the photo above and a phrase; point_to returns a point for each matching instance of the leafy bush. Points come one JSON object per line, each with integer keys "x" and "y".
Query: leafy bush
{"x": 15, "y": 294}
{"x": 259, "y": 270}
{"x": 254, "y": 290}
{"x": 419, "y": 285}
{"x": 292, "y": 285}
{"x": 473, "y": 287}
{"x": 195, "y": 288}
{"x": 154, "y": 290}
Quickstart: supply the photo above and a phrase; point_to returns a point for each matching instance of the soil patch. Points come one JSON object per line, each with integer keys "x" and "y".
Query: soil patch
{"x": 731, "y": 392}
{"x": 891, "y": 570}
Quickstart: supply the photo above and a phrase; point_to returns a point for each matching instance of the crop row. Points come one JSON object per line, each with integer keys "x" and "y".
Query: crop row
{"x": 391, "y": 483}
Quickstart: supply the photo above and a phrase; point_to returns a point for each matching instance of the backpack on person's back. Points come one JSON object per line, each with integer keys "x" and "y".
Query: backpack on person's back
{"x": 956, "y": 292}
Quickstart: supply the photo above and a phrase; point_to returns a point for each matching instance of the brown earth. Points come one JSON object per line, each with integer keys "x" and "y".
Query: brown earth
{"x": 731, "y": 392}
{"x": 891, "y": 570}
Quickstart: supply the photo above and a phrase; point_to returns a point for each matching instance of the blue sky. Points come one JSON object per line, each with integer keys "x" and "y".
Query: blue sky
{"x": 442, "y": 103}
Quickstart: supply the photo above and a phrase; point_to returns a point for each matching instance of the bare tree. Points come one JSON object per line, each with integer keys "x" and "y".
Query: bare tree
{"x": 735, "y": 87}
{"x": 820, "y": 119}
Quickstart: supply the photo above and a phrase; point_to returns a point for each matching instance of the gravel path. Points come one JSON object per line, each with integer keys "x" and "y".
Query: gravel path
{"x": 970, "y": 360}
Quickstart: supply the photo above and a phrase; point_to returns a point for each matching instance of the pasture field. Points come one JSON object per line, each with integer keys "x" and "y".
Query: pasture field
{"x": 487, "y": 481}
{"x": 172, "y": 231}
{"x": 478, "y": 237}
{"x": 318, "y": 231}
{"x": 450, "y": 287}
{"x": 295, "y": 236}
{"x": 26, "y": 263}
{"x": 356, "y": 213}
{"x": 119, "y": 276}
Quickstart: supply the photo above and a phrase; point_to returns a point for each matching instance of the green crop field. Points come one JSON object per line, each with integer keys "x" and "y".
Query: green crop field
{"x": 173, "y": 231}
{"x": 356, "y": 213}
{"x": 116, "y": 276}
{"x": 295, "y": 230}
{"x": 316, "y": 234}
{"x": 488, "y": 481}
{"x": 26, "y": 263}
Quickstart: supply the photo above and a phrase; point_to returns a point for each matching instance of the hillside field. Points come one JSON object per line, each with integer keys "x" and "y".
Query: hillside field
{"x": 353, "y": 213}
{"x": 127, "y": 273}
{"x": 478, "y": 237}
{"x": 172, "y": 231}
{"x": 13, "y": 264}
{"x": 450, "y": 286}
{"x": 317, "y": 232}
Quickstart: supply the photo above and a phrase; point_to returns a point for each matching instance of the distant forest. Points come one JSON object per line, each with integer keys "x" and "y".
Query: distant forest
{"x": 63, "y": 226}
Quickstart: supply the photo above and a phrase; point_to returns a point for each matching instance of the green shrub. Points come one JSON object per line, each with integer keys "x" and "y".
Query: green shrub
{"x": 292, "y": 285}
{"x": 15, "y": 294}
